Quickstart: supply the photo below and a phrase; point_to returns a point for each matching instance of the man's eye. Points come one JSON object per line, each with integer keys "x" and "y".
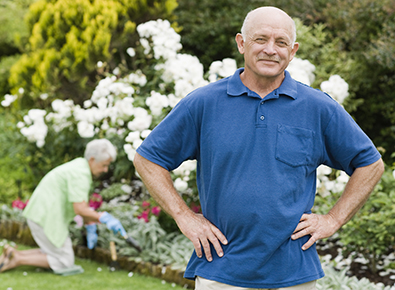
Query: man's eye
{"x": 260, "y": 40}
{"x": 282, "y": 43}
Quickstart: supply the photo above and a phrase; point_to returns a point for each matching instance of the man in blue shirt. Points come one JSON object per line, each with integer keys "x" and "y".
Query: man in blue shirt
{"x": 258, "y": 137}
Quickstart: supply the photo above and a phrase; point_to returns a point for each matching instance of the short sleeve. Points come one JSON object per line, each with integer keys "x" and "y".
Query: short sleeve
{"x": 174, "y": 140}
{"x": 78, "y": 188}
{"x": 347, "y": 147}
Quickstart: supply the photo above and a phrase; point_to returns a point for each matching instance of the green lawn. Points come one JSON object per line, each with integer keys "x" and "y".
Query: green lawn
{"x": 96, "y": 276}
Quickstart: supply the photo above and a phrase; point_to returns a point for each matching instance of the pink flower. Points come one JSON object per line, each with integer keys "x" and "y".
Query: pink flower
{"x": 79, "y": 221}
{"x": 95, "y": 201}
{"x": 144, "y": 215}
{"x": 156, "y": 210}
{"x": 195, "y": 208}
{"x": 18, "y": 203}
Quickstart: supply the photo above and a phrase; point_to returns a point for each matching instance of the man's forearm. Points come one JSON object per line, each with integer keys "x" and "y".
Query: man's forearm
{"x": 357, "y": 191}
{"x": 88, "y": 214}
{"x": 160, "y": 186}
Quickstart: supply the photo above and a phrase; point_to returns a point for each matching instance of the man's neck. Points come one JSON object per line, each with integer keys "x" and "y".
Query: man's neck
{"x": 263, "y": 85}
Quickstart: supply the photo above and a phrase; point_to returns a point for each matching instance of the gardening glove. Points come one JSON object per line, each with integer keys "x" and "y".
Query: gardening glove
{"x": 112, "y": 223}
{"x": 91, "y": 235}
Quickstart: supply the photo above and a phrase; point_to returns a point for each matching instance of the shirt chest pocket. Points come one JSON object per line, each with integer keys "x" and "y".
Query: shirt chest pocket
{"x": 294, "y": 146}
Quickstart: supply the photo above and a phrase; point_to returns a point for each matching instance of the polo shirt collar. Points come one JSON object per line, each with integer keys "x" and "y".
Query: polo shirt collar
{"x": 236, "y": 87}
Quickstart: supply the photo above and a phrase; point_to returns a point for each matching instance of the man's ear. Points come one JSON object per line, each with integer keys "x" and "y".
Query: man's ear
{"x": 294, "y": 50}
{"x": 240, "y": 43}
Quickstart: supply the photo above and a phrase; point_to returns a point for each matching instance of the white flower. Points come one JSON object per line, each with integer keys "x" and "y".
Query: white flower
{"x": 144, "y": 43}
{"x": 105, "y": 126}
{"x": 142, "y": 120}
{"x": 130, "y": 151}
{"x": 44, "y": 96}
{"x": 99, "y": 64}
{"x": 87, "y": 104}
{"x": 137, "y": 78}
{"x": 124, "y": 108}
{"x": 165, "y": 41}
{"x": 8, "y": 100}
{"x": 156, "y": 103}
{"x": 136, "y": 143}
{"x": 336, "y": 87}
{"x": 126, "y": 188}
{"x": 131, "y": 52}
{"x": 145, "y": 133}
{"x": 324, "y": 170}
{"x": 173, "y": 100}
{"x": 301, "y": 70}
{"x": 36, "y": 114}
{"x": 116, "y": 71}
{"x": 132, "y": 136}
{"x": 222, "y": 69}
{"x": 37, "y": 131}
{"x": 85, "y": 129}
{"x": 180, "y": 185}
{"x": 185, "y": 168}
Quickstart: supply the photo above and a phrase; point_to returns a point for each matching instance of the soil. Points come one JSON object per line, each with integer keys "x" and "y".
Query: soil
{"x": 359, "y": 270}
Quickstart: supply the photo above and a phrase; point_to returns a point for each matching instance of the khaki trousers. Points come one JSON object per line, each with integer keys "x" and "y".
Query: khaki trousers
{"x": 205, "y": 284}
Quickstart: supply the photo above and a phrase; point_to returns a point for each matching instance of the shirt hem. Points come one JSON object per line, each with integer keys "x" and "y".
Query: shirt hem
{"x": 192, "y": 276}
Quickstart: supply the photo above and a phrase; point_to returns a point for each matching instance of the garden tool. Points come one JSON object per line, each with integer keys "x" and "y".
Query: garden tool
{"x": 114, "y": 265}
{"x": 132, "y": 242}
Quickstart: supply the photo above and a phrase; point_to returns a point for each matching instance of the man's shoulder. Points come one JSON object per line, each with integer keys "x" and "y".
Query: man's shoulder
{"x": 314, "y": 95}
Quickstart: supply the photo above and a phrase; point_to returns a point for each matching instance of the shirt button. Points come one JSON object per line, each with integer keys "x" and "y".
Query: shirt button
{"x": 262, "y": 117}
{"x": 262, "y": 102}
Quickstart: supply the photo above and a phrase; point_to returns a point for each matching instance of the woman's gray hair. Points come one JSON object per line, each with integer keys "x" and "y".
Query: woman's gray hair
{"x": 100, "y": 150}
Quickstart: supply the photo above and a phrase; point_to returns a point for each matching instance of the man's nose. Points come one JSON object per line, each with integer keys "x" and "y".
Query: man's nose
{"x": 270, "y": 47}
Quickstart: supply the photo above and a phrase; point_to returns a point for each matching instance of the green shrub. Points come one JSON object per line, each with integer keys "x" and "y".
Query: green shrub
{"x": 372, "y": 231}
{"x": 68, "y": 38}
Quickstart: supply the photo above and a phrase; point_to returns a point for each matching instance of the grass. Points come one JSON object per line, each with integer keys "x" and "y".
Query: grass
{"x": 95, "y": 276}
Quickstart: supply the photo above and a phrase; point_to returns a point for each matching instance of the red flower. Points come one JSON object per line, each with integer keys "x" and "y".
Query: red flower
{"x": 156, "y": 210}
{"x": 95, "y": 201}
{"x": 145, "y": 204}
{"x": 18, "y": 203}
{"x": 195, "y": 208}
{"x": 144, "y": 215}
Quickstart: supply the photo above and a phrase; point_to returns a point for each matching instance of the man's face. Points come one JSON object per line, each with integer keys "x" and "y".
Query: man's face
{"x": 99, "y": 167}
{"x": 267, "y": 46}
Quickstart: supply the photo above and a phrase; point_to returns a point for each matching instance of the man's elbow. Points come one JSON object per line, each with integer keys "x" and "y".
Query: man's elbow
{"x": 380, "y": 168}
{"x": 137, "y": 162}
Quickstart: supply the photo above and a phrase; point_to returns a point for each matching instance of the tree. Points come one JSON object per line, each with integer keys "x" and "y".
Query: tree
{"x": 12, "y": 33}
{"x": 68, "y": 38}
{"x": 366, "y": 29}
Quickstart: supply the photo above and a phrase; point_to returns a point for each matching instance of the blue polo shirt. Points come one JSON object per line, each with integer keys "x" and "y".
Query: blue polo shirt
{"x": 256, "y": 172}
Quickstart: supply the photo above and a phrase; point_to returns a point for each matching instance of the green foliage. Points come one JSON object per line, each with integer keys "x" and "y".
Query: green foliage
{"x": 16, "y": 178}
{"x": 13, "y": 31}
{"x": 114, "y": 190}
{"x": 339, "y": 280}
{"x": 365, "y": 29}
{"x": 208, "y": 28}
{"x": 372, "y": 231}
{"x": 68, "y": 38}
